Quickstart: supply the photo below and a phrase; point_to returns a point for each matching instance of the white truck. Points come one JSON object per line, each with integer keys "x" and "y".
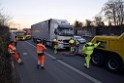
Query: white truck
{"x": 51, "y": 28}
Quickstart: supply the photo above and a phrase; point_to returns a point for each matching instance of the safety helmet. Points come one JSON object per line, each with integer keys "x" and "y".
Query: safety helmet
{"x": 11, "y": 42}
{"x": 15, "y": 36}
{"x": 38, "y": 40}
{"x": 89, "y": 44}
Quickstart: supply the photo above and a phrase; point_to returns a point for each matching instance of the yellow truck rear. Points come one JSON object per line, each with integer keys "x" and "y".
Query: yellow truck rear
{"x": 110, "y": 52}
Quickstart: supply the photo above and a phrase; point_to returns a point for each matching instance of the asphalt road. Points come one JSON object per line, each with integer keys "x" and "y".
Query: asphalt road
{"x": 60, "y": 68}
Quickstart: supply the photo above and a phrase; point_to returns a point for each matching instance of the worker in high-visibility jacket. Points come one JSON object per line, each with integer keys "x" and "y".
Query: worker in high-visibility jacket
{"x": 40, "y": 51}
{"x": 71, "y": 45}
{"x": 87, "y": 51}
{"x": 55, "y": 42}
{"x": 12, "y": 51}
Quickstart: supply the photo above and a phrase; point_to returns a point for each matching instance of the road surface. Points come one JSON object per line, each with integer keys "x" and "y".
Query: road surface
{"x": 60, "y": 68}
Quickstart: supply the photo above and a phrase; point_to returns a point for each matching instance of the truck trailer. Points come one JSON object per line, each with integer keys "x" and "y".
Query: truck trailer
{"x": 49, "y": 29}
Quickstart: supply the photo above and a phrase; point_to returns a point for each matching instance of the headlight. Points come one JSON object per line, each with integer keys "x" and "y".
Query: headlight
{"x": 23, "y": 38}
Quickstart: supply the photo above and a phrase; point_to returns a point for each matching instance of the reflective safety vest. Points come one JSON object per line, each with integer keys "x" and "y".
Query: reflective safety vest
{"x": 40, "y": 48}
{"x": 88, "y": 48}
{"x": 71, "y": 42}
{"x": 11, "y": 48}
{"x": 55, "y": 41}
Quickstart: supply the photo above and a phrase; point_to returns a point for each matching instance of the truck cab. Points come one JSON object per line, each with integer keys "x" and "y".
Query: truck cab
{"x": 109, "y": 53}
{"x": 64, "y": 34}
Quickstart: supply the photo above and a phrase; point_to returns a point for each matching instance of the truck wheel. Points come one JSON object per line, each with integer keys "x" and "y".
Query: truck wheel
{"x": 97, "y": 59}
{"x": 114, "y": 63}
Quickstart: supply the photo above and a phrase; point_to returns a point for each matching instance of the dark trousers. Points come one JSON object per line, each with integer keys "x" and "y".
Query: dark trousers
{"x": 15, "y": 43}
{"x": 76, "y": 49}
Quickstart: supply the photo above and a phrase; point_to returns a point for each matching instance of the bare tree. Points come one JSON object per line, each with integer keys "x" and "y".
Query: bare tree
{"x": 78, "y": 24}
{"x": 114, "y": 11}
{"x": 98, "y": 21}
{"x": 89, "y": 23}
{"x": 4, "y": 18}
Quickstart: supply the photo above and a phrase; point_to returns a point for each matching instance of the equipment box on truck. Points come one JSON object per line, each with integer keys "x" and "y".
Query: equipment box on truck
{"x": 49, "y": 29}
{"x": 110, "y": 52}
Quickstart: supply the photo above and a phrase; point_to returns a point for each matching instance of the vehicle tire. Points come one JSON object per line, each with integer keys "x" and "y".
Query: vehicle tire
{"x": 97, "y": 59}
{"x": 114, "y": 63}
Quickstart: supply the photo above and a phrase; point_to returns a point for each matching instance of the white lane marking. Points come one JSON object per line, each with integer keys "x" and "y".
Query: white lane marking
{"x": 50, "y": 55}
{"x": 30, "y": 44}
{"x": 25, "y": 53}
{"x": 72, "y": 68}
{"x": 76, "y": 70}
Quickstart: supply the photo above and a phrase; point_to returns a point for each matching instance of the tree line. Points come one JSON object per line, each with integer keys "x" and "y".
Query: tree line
{"x": 111, "y": 14}
{"x": 6, "y": 70}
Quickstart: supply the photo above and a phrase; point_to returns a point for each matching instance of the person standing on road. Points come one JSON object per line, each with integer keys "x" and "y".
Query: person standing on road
{"x": 40, "y": 51}
{"x": 87, "y": 51}
{"x": 55, "y": 42}
{"x": 71, "y": 44}
{"x": 12, "y": 51}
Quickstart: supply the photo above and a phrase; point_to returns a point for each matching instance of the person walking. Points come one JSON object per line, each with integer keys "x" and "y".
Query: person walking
{"x": 40, "y": 51}
{"x": 13, "y": 52}
{"x": 55, "y": 42}
{"x": 71, "y": 44}
{"x": 87, "y": 50}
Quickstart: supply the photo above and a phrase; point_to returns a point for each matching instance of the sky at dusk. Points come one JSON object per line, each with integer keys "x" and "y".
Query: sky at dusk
{"x": 27, "y": 12}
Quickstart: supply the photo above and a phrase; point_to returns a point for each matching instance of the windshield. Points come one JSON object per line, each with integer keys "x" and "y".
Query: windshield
{"x": 20, "y": 33}
{"x": 66, "y": 31}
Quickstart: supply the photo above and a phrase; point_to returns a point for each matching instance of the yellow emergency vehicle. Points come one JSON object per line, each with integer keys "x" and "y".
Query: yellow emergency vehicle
{"x": 21, "y": 35}
{"x": 110, "y": 52}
